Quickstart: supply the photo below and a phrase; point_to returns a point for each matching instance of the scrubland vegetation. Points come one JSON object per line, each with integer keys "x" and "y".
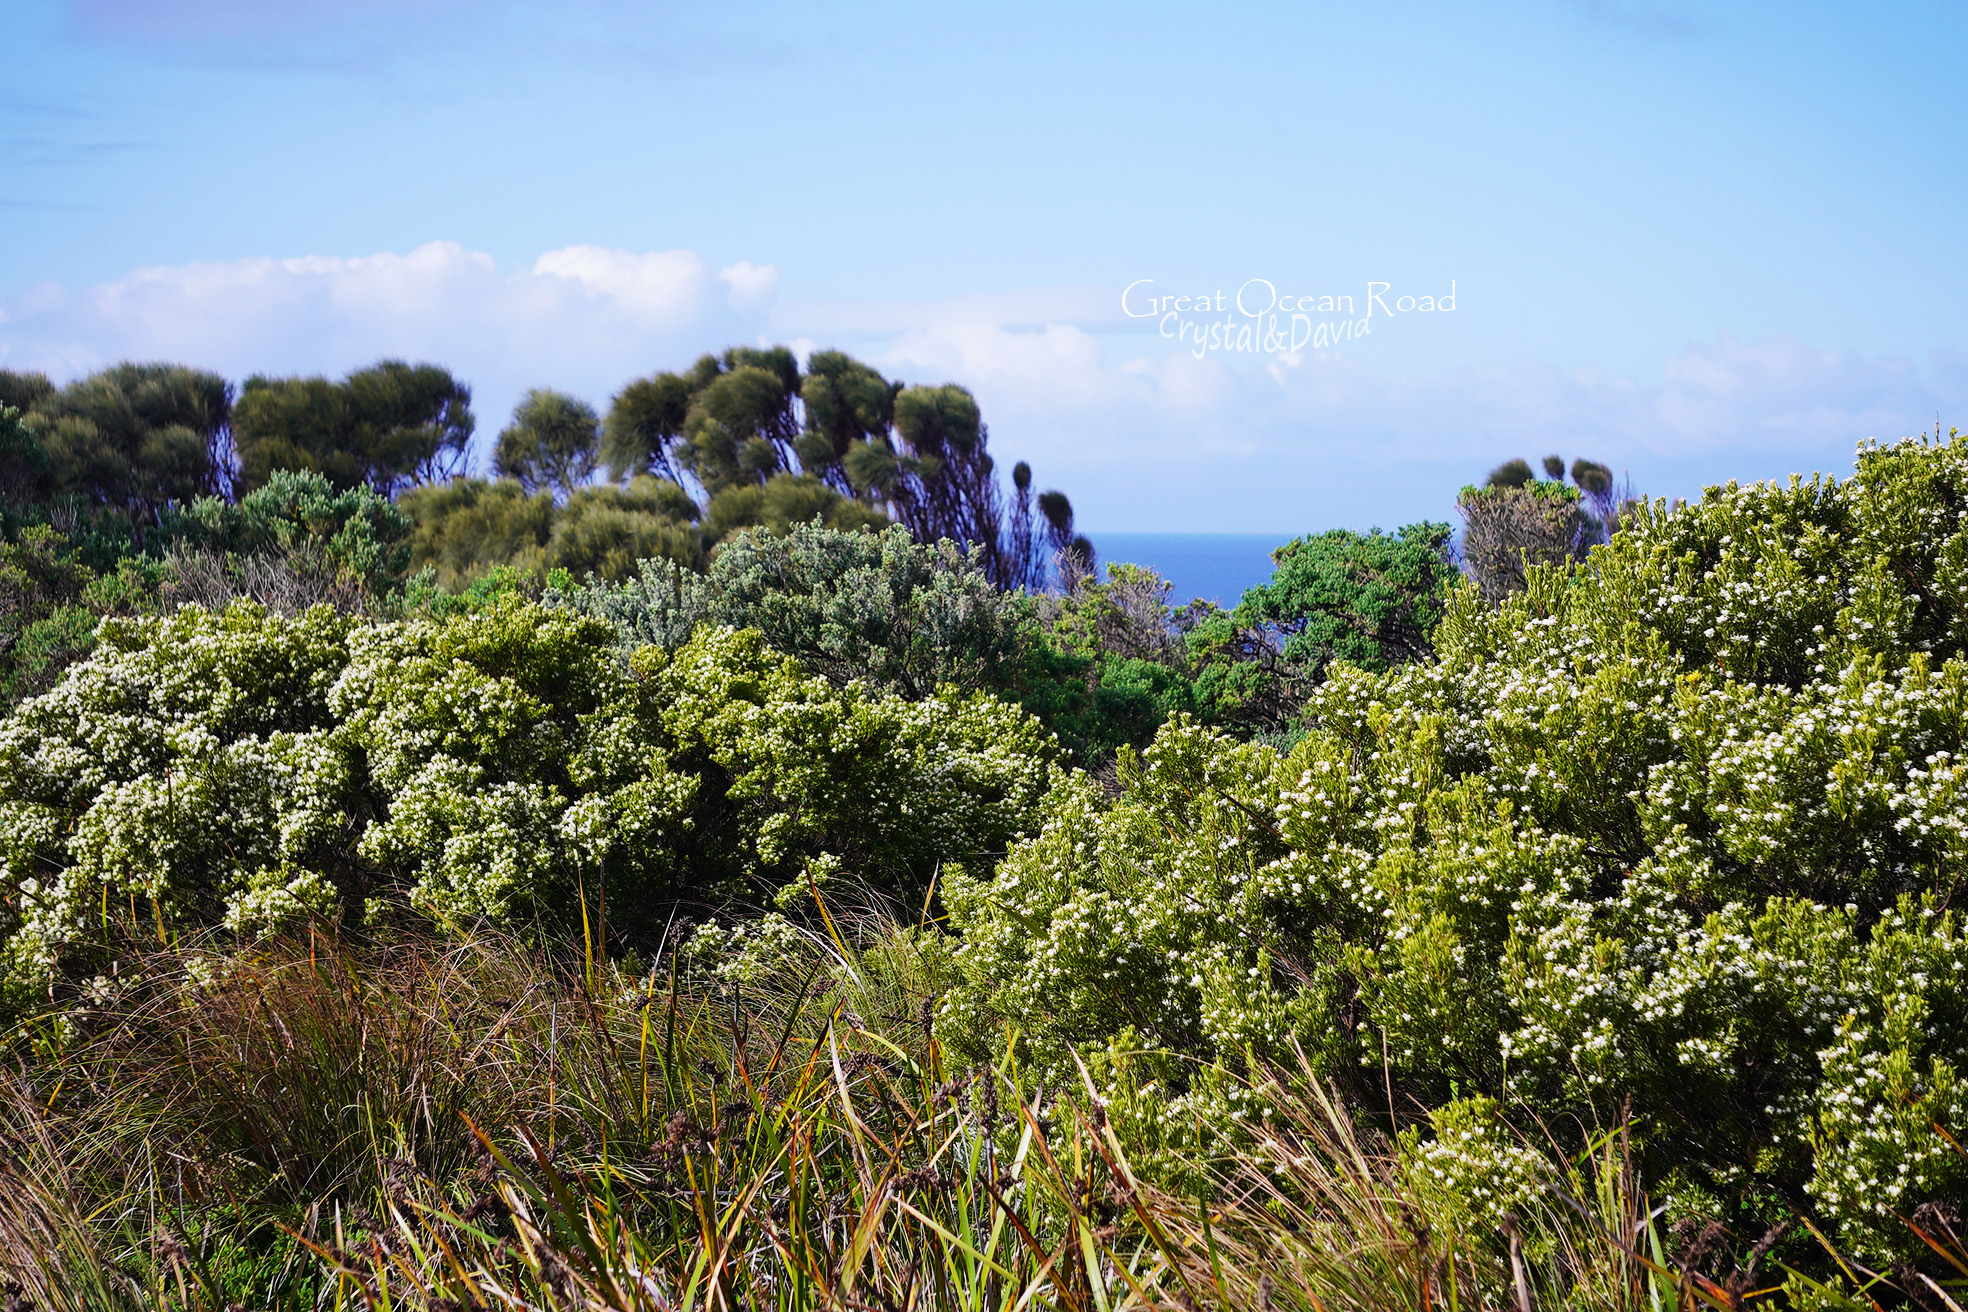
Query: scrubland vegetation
{"x": 785, "y": 874}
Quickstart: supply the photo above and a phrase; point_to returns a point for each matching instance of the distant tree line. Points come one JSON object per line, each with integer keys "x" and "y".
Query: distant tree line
{"x": 145, "y": 486}
{"x": 739, "y": 439}
{"x": 857, "y": 522}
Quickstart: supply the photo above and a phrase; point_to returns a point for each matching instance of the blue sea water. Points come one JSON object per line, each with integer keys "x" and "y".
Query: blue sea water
{"x": 1213, "y": 566}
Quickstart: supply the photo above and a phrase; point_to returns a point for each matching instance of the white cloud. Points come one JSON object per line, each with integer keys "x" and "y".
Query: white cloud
{"x": 582, "y": 318}
{"x": 1141, "y": 438}
{"x": 753, "y": 286}
{"x": 665, "y": 289}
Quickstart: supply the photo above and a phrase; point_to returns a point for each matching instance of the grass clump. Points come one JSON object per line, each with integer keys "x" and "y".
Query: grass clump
{"x": 310, "y": 1122}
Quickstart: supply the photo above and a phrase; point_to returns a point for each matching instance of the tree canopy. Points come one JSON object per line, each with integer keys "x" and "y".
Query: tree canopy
{"x": 133, "y": 438}
{"x": 553, "y": 444}
{"x": 389, "y": 427}
{"x": 747, "y": 425}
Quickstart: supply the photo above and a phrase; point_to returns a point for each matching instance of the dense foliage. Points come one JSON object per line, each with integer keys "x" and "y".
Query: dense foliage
{"x": 143, "y": 487}
{"x": 1103, "y": 664}
{"x": 746, "y": 422}
{"x": 878, "y": 608}
{"x": 132, "y": 439}
{"x": 1369, "y": 599}
{"x": 1653, "y": 823}
{"x": 248, "y": 769}
{"x": 1672, "y": 834}
{"x": 388, "y": 427}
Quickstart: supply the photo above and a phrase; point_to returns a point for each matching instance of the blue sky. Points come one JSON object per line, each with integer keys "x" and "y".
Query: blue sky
{"x": 1695, "y": 240}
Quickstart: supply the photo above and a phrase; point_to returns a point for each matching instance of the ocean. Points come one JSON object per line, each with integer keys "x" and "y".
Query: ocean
{"x": 1213, "y": 566}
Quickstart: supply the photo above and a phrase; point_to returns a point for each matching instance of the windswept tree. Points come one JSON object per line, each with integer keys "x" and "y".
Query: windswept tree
{"x": 932, "y": 471}
{"x": 644, "y": 423}
{"x": 1517, "y": 520}
{"x": 848, "y": 405}
{"x": 389, "y": 427}
{"x": 552, "y": 445}
{"x": 748, "y": 426}
{"x": 742, "y": 423}
{"x": 136, "y": 438}
{"x": 1069, "y": 553}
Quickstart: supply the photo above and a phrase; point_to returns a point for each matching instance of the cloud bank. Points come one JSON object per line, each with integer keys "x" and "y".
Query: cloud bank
{"x": 581, "y": 318}
{"x": 1142, "y": 439}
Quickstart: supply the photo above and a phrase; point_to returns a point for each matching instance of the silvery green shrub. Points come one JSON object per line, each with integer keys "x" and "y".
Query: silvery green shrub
{"x": 241, "y": 769}
{"x": 1676, "y": 831}
{"x": 881, "y": 607}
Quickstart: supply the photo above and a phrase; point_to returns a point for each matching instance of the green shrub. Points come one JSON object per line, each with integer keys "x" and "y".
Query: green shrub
{"x": 246, "y": 769}
{"x": 1672, "y": 830}
{"x": 848, "y": 604}
{"x": 782, "y": 501}
{"x": 349, "y": 535}
{"x": 1370, "y": 599}
{"x": 468, "y": 527}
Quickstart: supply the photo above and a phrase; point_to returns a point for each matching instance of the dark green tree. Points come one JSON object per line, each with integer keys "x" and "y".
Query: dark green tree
{"x": 388, "y": 427}
{"x": 1511, "y": 473}
{"x": 1370, "y": 599}
{"x": 643, "y": 425}
{"x": 26, "y": 472}
{"x": 136, "y": 438}
{"x": 54, "y": 584}
{"x": 1070, "y": 554}
{"x": 742, "y": 423}
{"x": 22, "y": 390}
{"x": 552, "y": 445}
{"x": 848, "y": 406}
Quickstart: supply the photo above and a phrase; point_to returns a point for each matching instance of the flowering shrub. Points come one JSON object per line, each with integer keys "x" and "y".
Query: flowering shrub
{"x": 187, "y": 766}
{"x": 1673, "y": 830}
{"x": 243, "y": 768}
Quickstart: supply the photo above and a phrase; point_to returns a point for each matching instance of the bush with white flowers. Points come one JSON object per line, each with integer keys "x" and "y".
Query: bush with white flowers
{"x": 1675, "y": 831}
{"x": 246, "y": 770}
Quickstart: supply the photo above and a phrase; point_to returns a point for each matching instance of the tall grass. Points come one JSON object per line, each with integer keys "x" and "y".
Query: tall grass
{"x": 471, "y": 1123}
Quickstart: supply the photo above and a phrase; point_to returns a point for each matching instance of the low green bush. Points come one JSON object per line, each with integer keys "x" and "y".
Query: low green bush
{"x": 848, "y": 604}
